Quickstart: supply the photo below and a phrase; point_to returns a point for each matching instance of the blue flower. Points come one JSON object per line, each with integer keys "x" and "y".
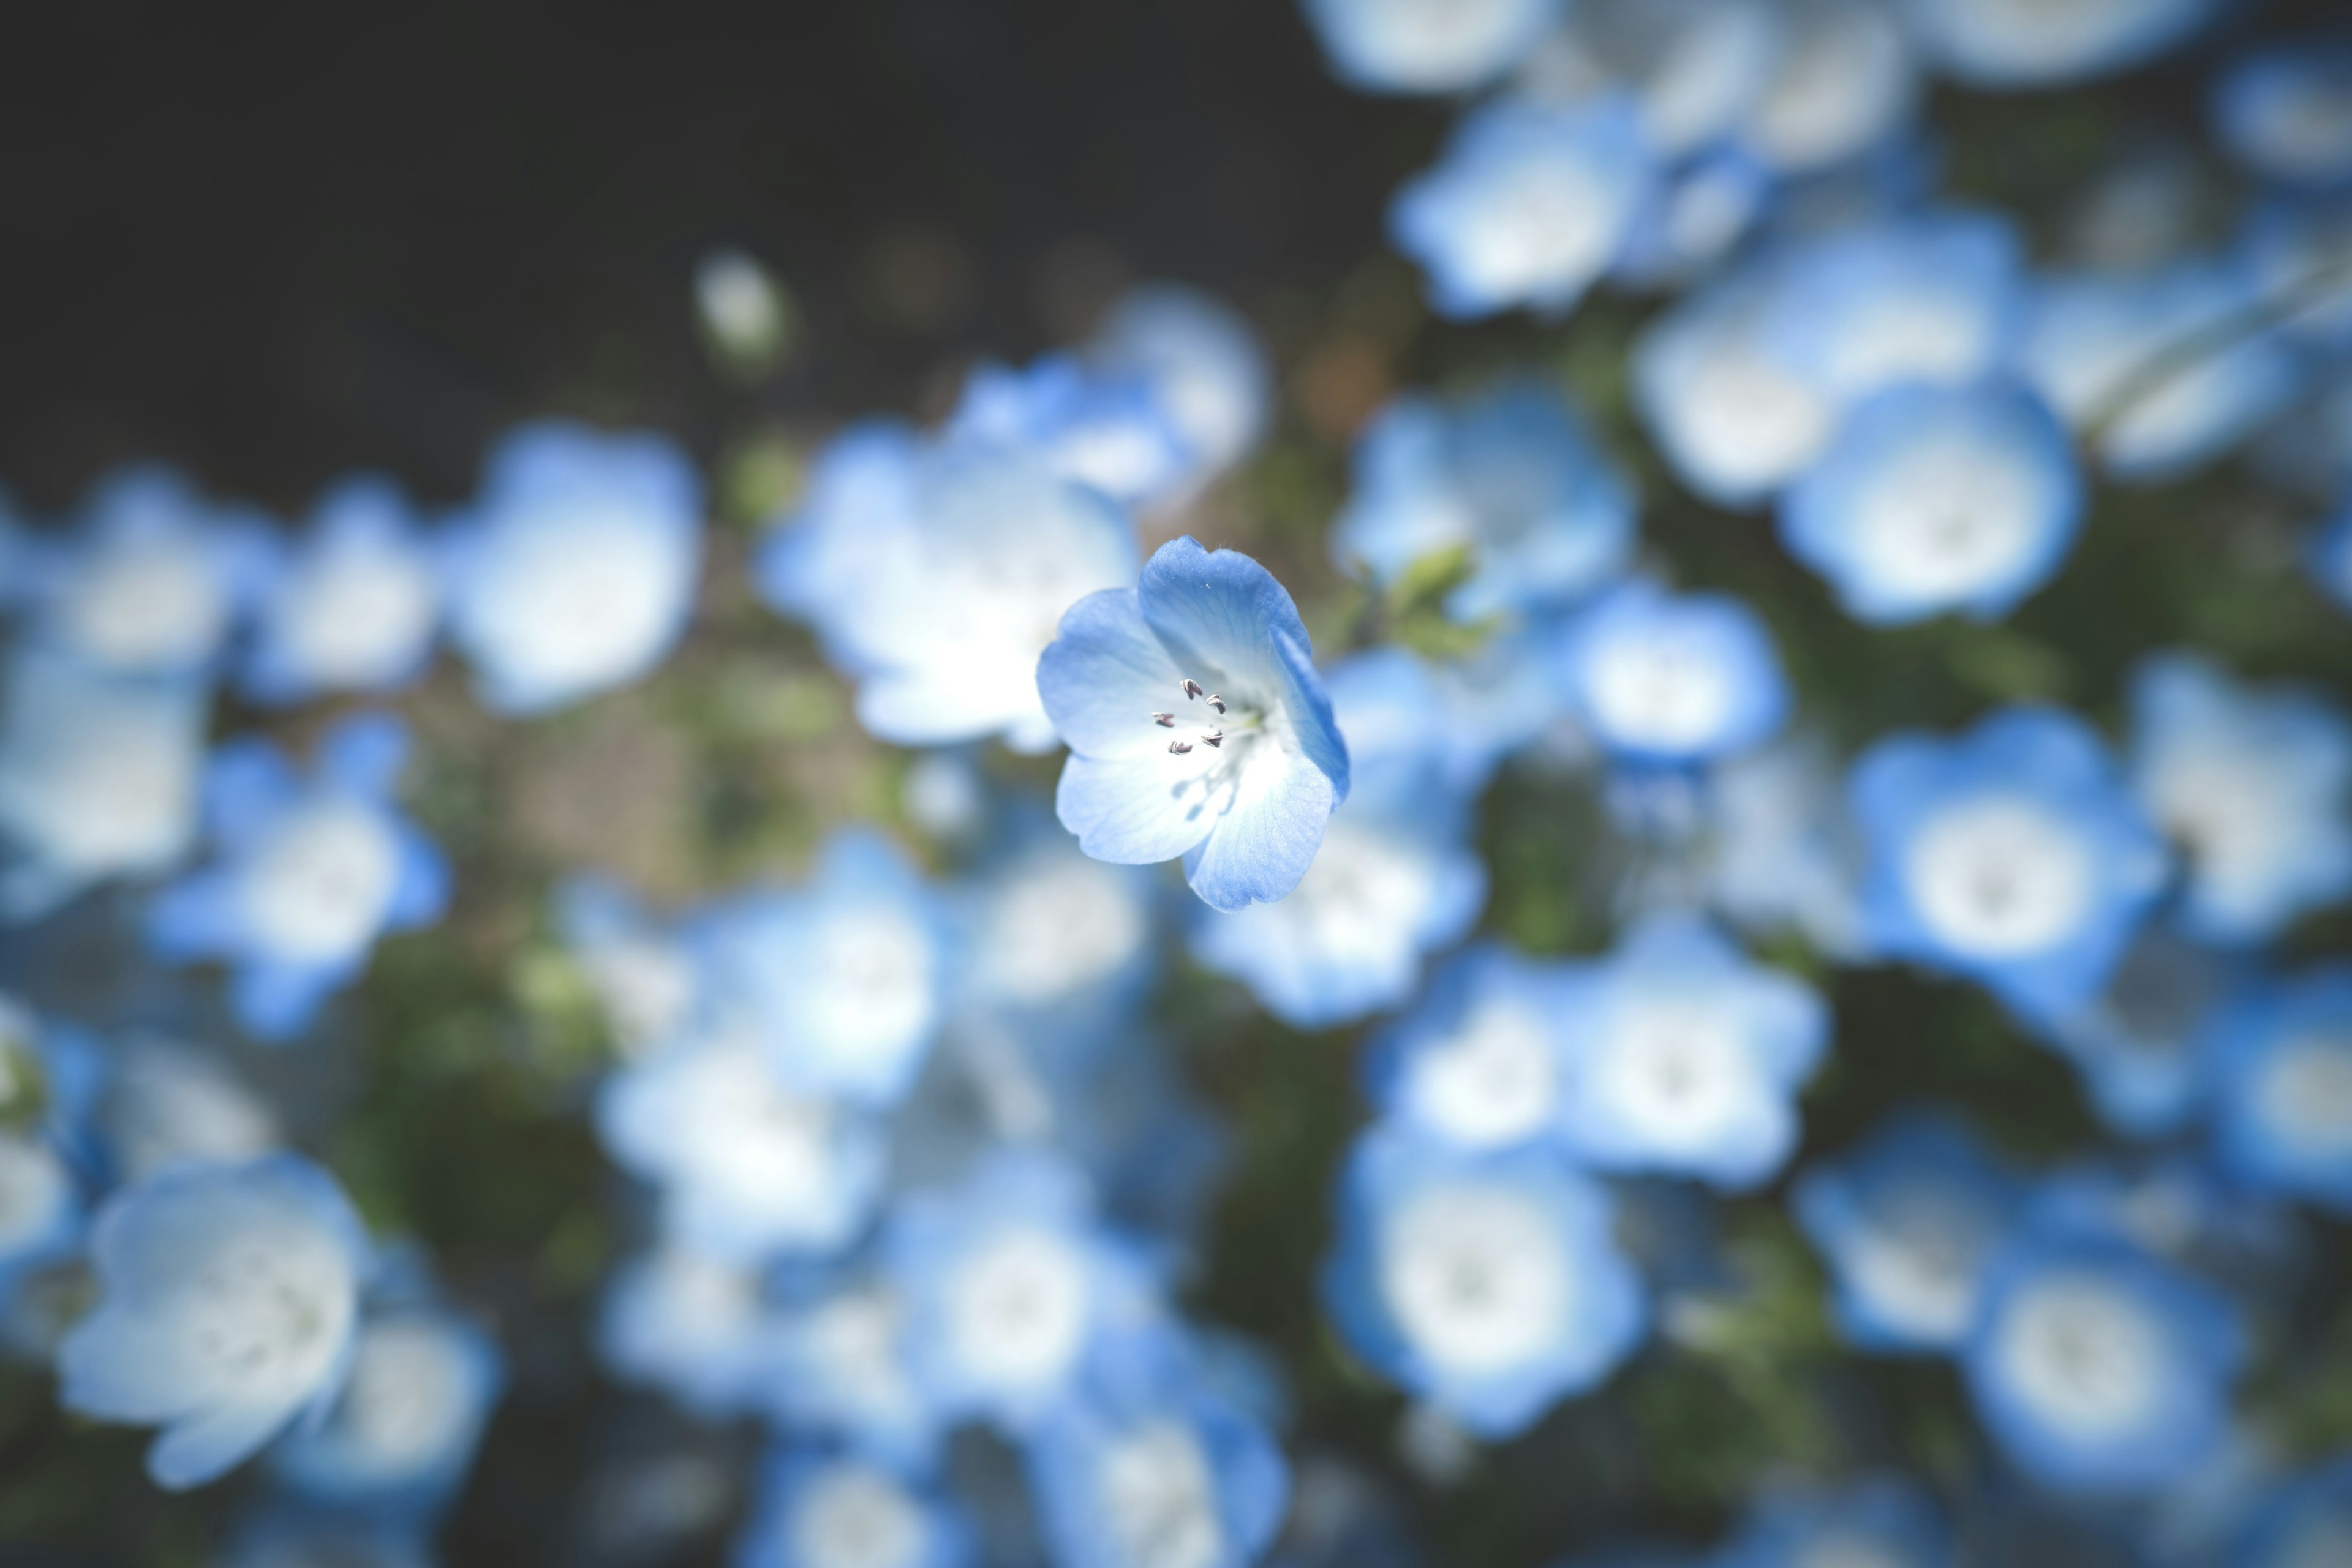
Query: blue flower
{"x": 2282, "y": 1081}
{"x": 844, "y": 979}
{"x": 1511, "y": 477}
{"x": 1691, "y": 218}
{"x": 695, "y": 1326}
{"x": 1667, "y": 679}
{"x": 2254, "y": 784}
{"x": 1427, "y": 46}
{"x": 839, "y": 1366}
{"x": 1907, "y": 1221}
{"x": 1481, "y": 1061}
{"x": 311, "y": 873}
{"x": 1148, "y": 1467}
{"x": 935, "y": 572}
{"x": 351, "y": 608}
{"x": 575, "y": 571}
{"x": 748, "y": 1166}
{"x": 1009, "y": 1282}
{"x": 1884, "y": 1521}
{"x": 1102, "y": 429}
{"x": 1138, "y": 682}
{"x": 1843, "y": 82}
{"x": 643, "y": 973}
{"x": 2137, "y": 1042}
{"x": 2296, "y": 249}
{"x": 839, "y": 1510}
{"x": 1780, "y": 854}
{"x": 1529, "y": 205}
{"x": 1487, "y": 1284}
{"x": 229, "y": 1299}
{"x": 99, "y": 777}
{"x": 165, "y": 1103}
{"x": 1204, "y": 362}
{"x": 1685, "y": 1058}
{"x": 2284, "y": 110}
{"x": 401, "y": 1437}
{"x": 2008, "y": 46}
{"x": 2305, "y": 1524}
{"x": 40, "y": 1196}
{"x": 1939, "y": 498}
{"x": 2099, "y": 1369}
{"x": 2010, "y": 855}
{"x": 2330, "y": 559}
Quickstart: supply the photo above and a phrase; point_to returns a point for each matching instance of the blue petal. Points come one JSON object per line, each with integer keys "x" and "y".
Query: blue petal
{"x": 1218, "y": 612}
{"x": 1265, "y": 842}
{"x": 205, "y": 1446}
{"x": 276, "y": 1001}
{"x": 1137, "y": 810}
{"x": 1105, "y": 675}
{"x": 365, "y": 754}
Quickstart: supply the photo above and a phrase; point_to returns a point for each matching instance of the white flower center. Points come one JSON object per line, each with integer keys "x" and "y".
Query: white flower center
{"x": 1059, "y": 923}
{"x": 1920, "y": 1261}
{"x": 1551, "y": 219}
{"x": 584, "y": 597}
{"x": 1363, "y": 896}
{"x": 1159, "y": 1495}
{"x": 1475, "y": 1276}
{"x": 265, "y": 1317}
{"x": 1017, "y": 1307}
{"x": 1676, "y": 1073}
{"x": 1495, "y": 1082}
{"x": 356, "y": 613}
{"x": 2000, "y": 877}
{"x": 147, "y": 605}
{"x": 868, "y": 981}
{"x": 320, "y": 888}
{"x": 2084, "y": 1356}
{"x": 854, "y": 1516}
{"x": 1954, "y": 515}
{"x": 2302, "y": 1092}
{"x": 1657, "y": 691}
{"x": 753, "y": 1137}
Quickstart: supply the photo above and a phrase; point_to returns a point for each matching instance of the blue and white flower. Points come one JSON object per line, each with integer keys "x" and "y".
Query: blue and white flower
{"x": 1053, "y": 945}
{"x": 936, "y": 572}
{"x": 229, "y": 1300}
{"x": 1780, "y": 854}
{"x": 2017, "y": 44}
{"x": 575, "y": 571}
{"x": 1511, "y": 478}
{"x": 2329, "y": 560}
{"x": 1694, "y": 218}
{"x": 1841, "y": 83}
{"x": 1939, "y": 498}
{"x": 2308, "y": 1523}
{"x": 1529, "y": 205}
{"x": 839, "y": 1365}
{"x": 692, "y": 1324}
{"x": 2137, "y": 1045}
{"x": 1667, "y": 680}
{"x": 1427, "y": 46}
{"x": 2253, "y": 783}
{"x": 2282, "y": 1086}
{"x": 1486, "y": 1284}
{"x": 2284, "y": 110}
{"x": 1103, "y": 429}
{"x": 311, "y": 873}
{"x": 352, "y": 607}
{"x": 1908, "y": 1222}
{"x": 401, "y": 1435}
{"x": 1685, "y": 1058}
{"x": 2010, "y": 855}
{"x": 1197, "y": 726}
{"x": 40, "y": 1196}
{"x": 165, "y": 1102}
{"x": 1204, "y": 362}
{"x": 1694, "y": 67}
{"x": 1481, "y": 1061}
{"x": 643, "y": 973}
{"x": 1880, "y": 1523}
{"x": 843, "y": 1510}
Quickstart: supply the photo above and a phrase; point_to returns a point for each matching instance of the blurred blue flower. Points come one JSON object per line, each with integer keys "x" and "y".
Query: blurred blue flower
{"x": 1667, "y": 680}
{"x": 1907, "y": 1221}
{"x": 2253, "y": 783}
{"x": 1882, "y": 1522}
{"x": 1691, "y": 218}
{"x": 286, "y": 1535}
{"x": 1939, "y": 498}
{"x": 2006, "y": 45}
{"x": 1842, "y": 82}
{"x": 1778, "y": 853}
{"x": 1202, "y": 361}
{"x": 1052, "y": 944}
{"x": 839, "y": 1511}
{"x": 2308, "y": 1523}
{"x": 2282, "y": 1086}
{"x": 1529, "y": 205}
{"x": 1487, "y": 1284}
{"x": 1683, "y": 1057}
{"x": 1009, "y": 1281}
{"x": 843, "y": 979}
{"x": 2010, "y": 855}
{"x": 164, "y": 1102}
{"x": 643, "y": 973}
{"x": 1481, "y": 1060}
{"x": 99, "y": 777}
{"x": 1102, "y": 428}
{"x": 40, "y": 1203}
{"x": 1427, "y": 46}
{"x": 1197, "y": 726}
{"x": 311, "y": 872}
{"x": 1692, "y": 68}
{"x": 1511, "y": 477}
{"x": 2098, "y": 1370}
{"x": 936, "y": 572}
{"x": 2284, "y": 110}
{"x": 2330, "y": 558}
{"x": 2138, "y": 1043}
{"x": 229, "y": 1299}
{"x": 691, "y": 1324}
{"x": 574, "y": 569}
{"x": 351, "y": 606}
{"x": 839, "y": 1366}
{"x": 401, "y": 1435}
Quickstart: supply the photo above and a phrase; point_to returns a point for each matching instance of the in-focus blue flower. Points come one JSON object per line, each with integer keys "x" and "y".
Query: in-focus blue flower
{"x": 1197, "y": 726}
{"x": 748, "y": 1166}
{"x": 937, "y": 572}
{"x": 1102, "y": 428}
{"x": 1683, "y": 1057}
{"x": 1669, "y": 679}
{"x": 1511, "y": 477}
{"x": 574, "y": 569}
{"x": 2138, "y": 1043}
{"x": 1427, "y": 46}
{"x": 99, "y": 777}
{"x": 2253, "y": 783}
{"x": 401, "y": 1435}
{"x": 693, "y": 1325}
{"x": 1203, "y": 361}
{"x": 352, "y": 607}
{"x": 1488, "y": 1285}
{"x": 2032, "y": 45}
{"x": 843, "y": 979}
{"x": 842, "y": 1510}
{"x": 839, "y": 1366}
{"x": 1395, "y": 880}
{"x": 2307, "y": 1524}
{"x": 229, "y": 1295}
{"x": 1939, "y": 498}
{"x": 2099, "y": 1369}
{"x": 1148, "y": 1467}
{"x": 1843, "y": 82}
{"x": 1907, "y": 1221}
{"x": 1009, "y": 1281}
{"x": 1528, "y": 206}
{"x": 154, "y": 581}
{"x": 1879, "y": 1522}
{"x": 2281, "y": 1082}
{"x": 1481, "y": 1062}
{"x": 2284, "y": 110}
{"x": 311, "y": 873}
{"x": 2010, "y": 855}
{"x": 1780, "y": 854}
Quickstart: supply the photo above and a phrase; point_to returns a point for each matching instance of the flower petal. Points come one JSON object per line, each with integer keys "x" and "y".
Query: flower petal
{"x": 1105, "y": 675}
{"x": 1138, "y": 809}
{"x": 1218, "y": 612}
{"x": 1267, "y": 840}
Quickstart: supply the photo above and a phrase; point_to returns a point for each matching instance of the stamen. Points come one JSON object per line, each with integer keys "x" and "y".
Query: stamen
{"x": 1179, "y": 748}
{"x": 1216, "y": 703}
{"x": 1192, "y": 687}
{"x": 1165, "y": 720}
{"x": 1213, "y": 737}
